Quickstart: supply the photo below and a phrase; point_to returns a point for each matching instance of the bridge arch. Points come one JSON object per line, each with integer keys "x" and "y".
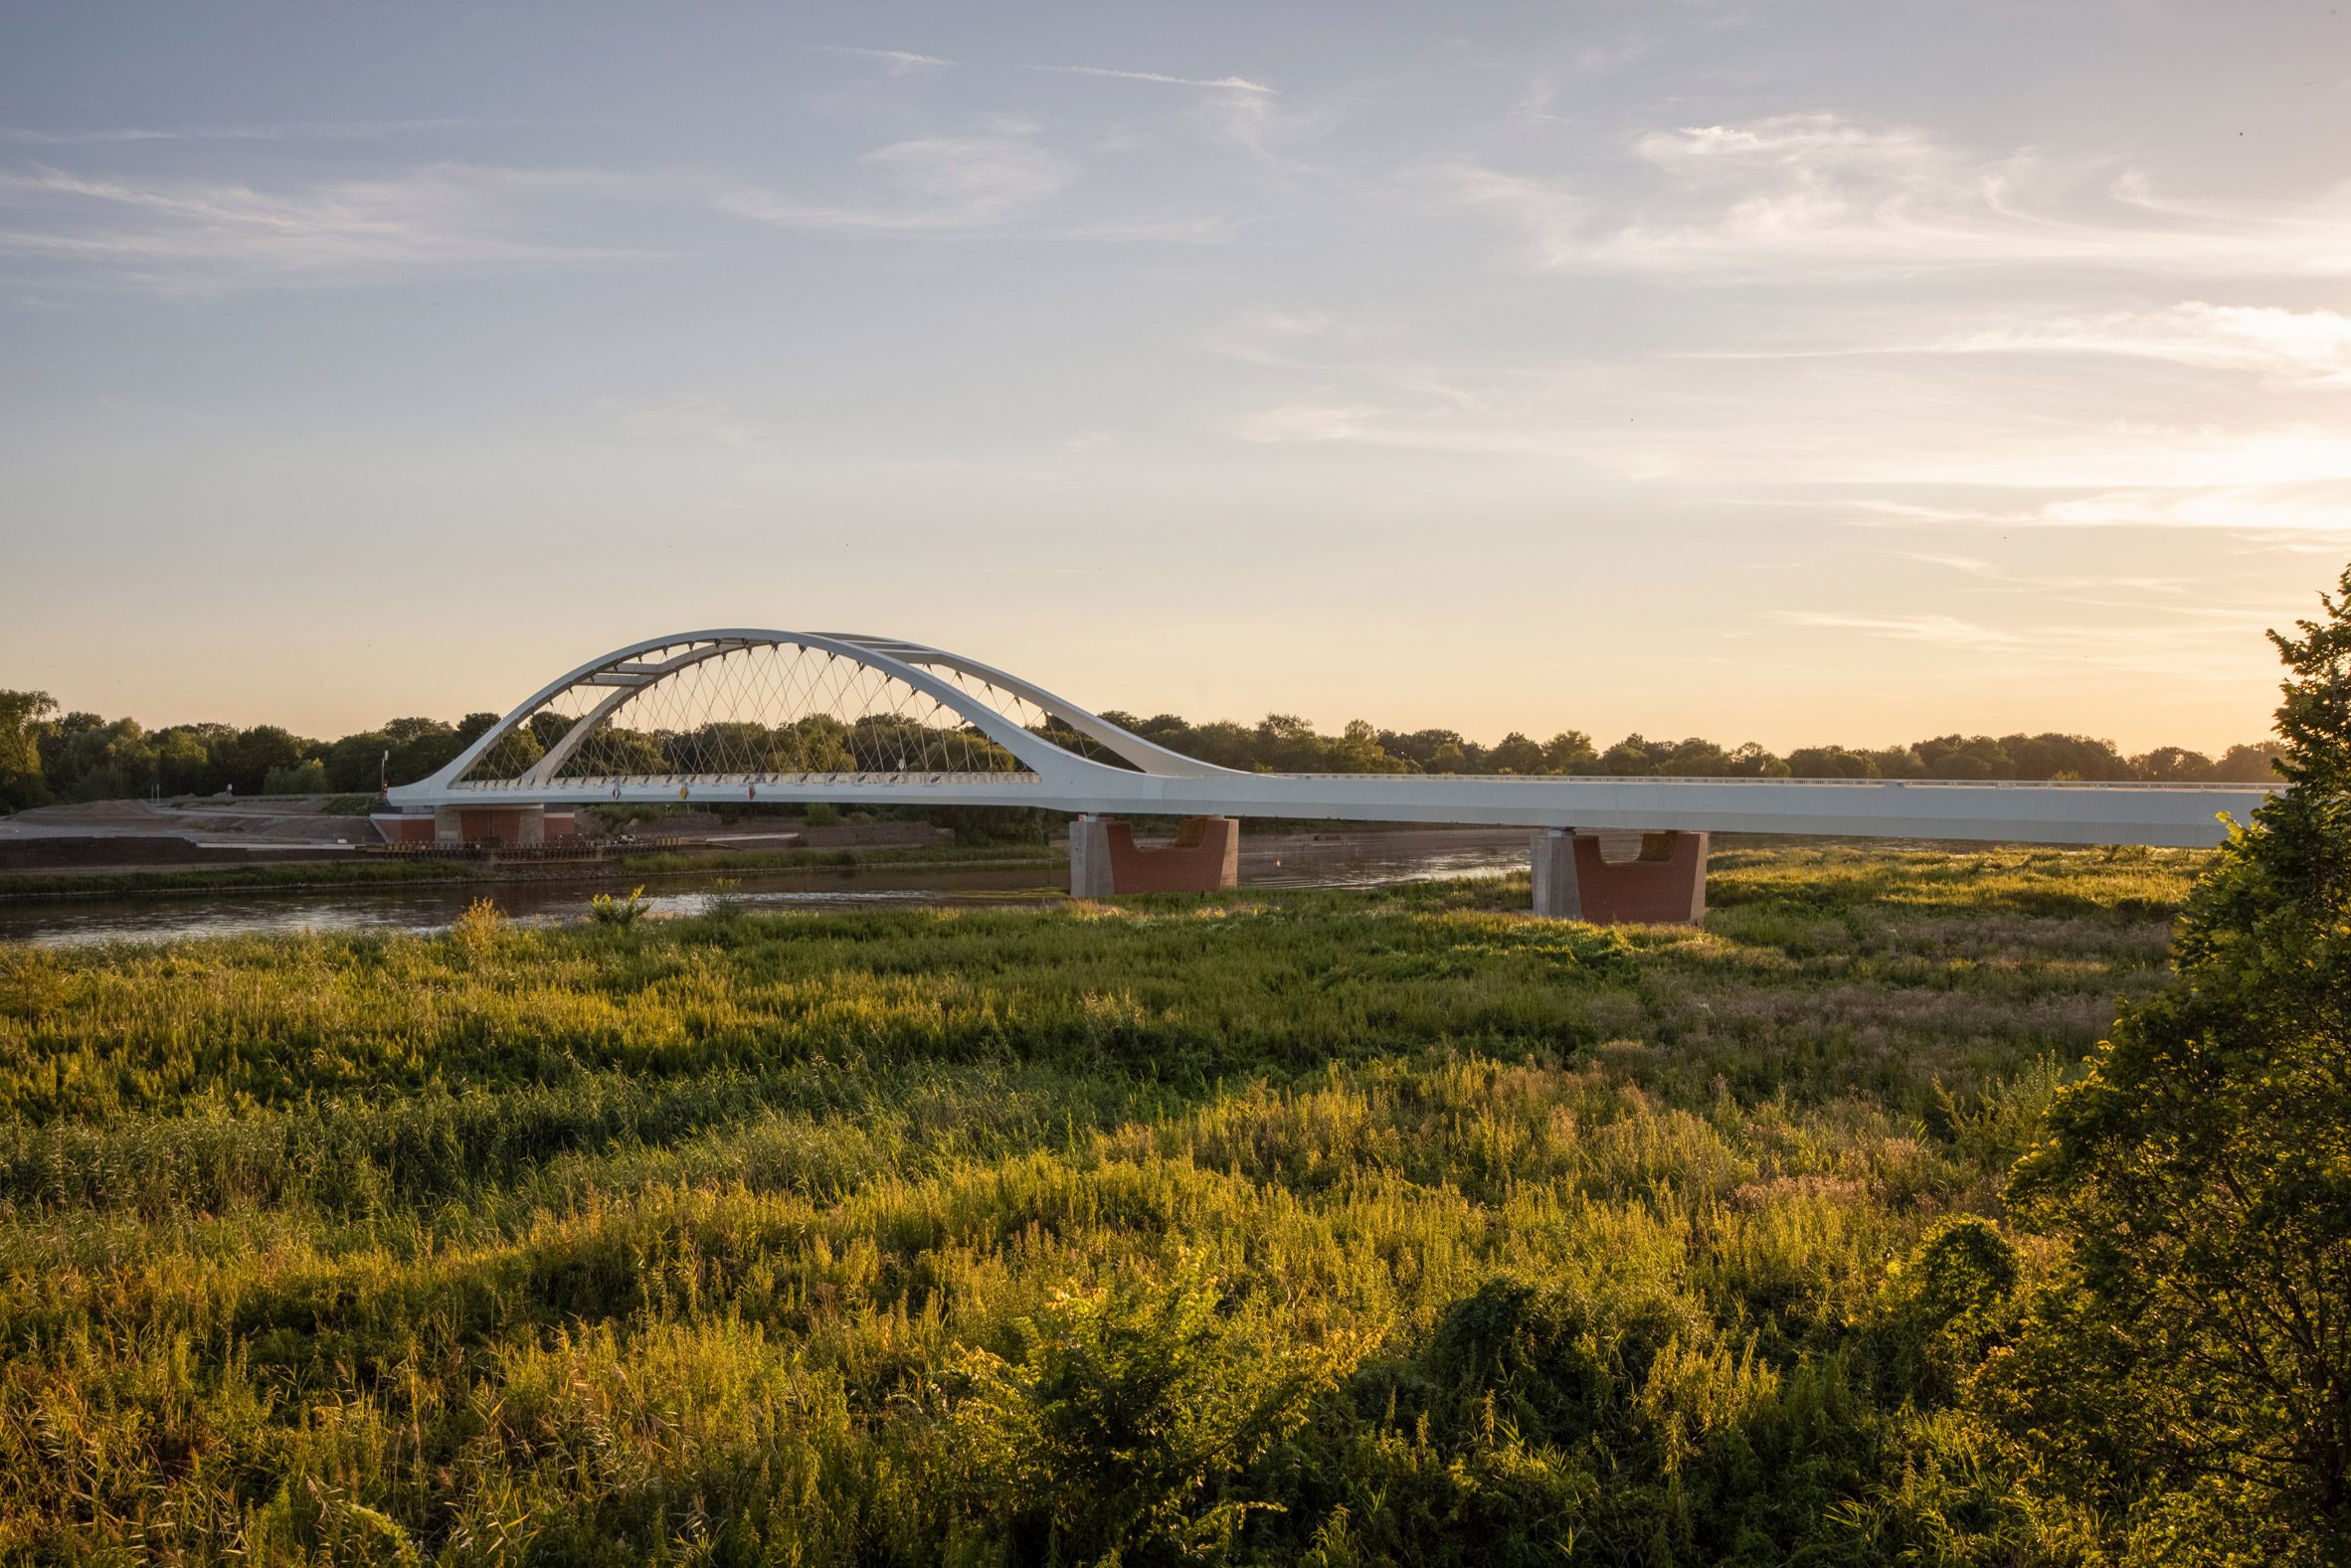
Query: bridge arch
{"x": 743, "y": 706}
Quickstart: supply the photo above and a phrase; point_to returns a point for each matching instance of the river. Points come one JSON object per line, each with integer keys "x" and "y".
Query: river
{"x": 1349, "y": 860}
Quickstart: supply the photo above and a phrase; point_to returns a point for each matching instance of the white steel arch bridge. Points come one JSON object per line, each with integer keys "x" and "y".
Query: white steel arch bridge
{"x": 745, "y": 714}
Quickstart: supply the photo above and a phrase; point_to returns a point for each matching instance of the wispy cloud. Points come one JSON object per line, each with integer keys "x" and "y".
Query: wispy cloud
{"x": 1989, "y": 577}
{"x": 1313, "y": 423}
{"x": 1220, "y": 84}
{"x": 188, "y": 234}
{"x": 1942, "y": 630}
{"x": 1209, "y": 230}
{"x": 687, "y": 416}
{"x": 194, "y": 234}
{"x": 2175, "y": 643}
{"x": 2312, "y": 347}
{"x": 297, "y": 130}
{"x": 1268, "y": 336}
{"x": 1857, "y": 438}
{"x": 2322, "y": 508}
{"x": 1817, "y": 198}
{"x": 1318, "y": 343}
{"x": 2132, "y": 457}
{"x": 2285, "y": 348}
{"x": 936, "y": 185}
{"x": 901, "y": 60}
{"x": 1270, "y": 127}
{"x": 1809, "y": 148}
{"x": 1555, "y": 220}
{"x": 1972, "y": 565}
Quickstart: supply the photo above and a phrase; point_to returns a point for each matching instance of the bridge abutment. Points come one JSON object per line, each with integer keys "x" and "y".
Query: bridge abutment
{"x": 1104, "y": 858}
{"x": 1663, "y": 882}
{"x": 514, "y": 826}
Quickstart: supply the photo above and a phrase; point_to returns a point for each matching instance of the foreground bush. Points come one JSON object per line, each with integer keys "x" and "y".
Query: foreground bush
{"x": 2189, "y": 1369}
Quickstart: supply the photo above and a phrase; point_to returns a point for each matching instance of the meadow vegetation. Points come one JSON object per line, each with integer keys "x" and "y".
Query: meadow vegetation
{"x": 1321, "y": 1227}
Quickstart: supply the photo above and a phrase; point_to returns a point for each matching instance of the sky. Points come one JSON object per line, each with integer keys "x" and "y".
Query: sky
{"x": 1803, "y": 372}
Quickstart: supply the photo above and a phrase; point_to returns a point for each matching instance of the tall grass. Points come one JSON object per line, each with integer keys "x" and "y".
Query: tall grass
{"x": 1322, "y": 1227}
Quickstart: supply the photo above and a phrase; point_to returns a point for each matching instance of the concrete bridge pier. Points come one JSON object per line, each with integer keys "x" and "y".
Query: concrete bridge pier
{"x": 1104, "y": 858}
{"x": 1612, "y": 879}
{"x": 1089, "y": 857}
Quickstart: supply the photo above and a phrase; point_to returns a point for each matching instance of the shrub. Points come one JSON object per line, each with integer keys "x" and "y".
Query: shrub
{"x": 1627, "y": 1424}
{"x": 606, "y": 910}
{"x": 1963, "y": 1269}
{"x": 478, "y": 928}
{"x": 725, "y": 901}
{"x": 1129, "y": 1423}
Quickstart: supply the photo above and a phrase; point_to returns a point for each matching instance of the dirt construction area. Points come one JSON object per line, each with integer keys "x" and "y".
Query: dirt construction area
{"x": 135, "y": 835}
{"x": 130, "y": 835}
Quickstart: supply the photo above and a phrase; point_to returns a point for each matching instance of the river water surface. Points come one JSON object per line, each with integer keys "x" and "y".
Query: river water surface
{"x": 1344, "y": 861}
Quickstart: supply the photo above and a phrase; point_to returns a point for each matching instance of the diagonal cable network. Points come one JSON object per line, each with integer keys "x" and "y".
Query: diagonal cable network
{"x": 759, "y": 711}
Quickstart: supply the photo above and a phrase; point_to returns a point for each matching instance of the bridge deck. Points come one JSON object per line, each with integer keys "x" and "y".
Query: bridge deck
{"x": 679, "y": 717}
{"x": 2181, "y": 815}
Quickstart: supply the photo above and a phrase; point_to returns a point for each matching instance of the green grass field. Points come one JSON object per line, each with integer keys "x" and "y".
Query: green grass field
{"x": 1310, "y": 1227}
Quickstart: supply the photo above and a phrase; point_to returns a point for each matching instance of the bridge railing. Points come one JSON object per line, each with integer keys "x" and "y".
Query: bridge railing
{"x": 560, "y": 850}
{"x": 741, "y": 781}
{"x": 835, "y": 780}
{"x": 2273, "y": 785}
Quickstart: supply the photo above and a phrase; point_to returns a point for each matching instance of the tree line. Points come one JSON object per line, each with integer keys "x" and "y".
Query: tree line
{"x": 48, "y": 756}
{"x": 1282, "y": 743}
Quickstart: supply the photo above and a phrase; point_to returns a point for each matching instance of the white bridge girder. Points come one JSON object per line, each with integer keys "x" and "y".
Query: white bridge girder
{"x": 1161, "y": 782}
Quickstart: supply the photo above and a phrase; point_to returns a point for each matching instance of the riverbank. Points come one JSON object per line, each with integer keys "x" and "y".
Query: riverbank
{"x": 373, "y": 870}
{"x": 1442, "y": 848}
{"x": 1028, "y": 874}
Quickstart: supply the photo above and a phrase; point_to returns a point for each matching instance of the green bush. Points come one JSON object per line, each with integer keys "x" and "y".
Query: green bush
{"x": 606, "y": 910}
{"x": 1632, "y": 1422}
{"x": 1126, "y": 1427}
